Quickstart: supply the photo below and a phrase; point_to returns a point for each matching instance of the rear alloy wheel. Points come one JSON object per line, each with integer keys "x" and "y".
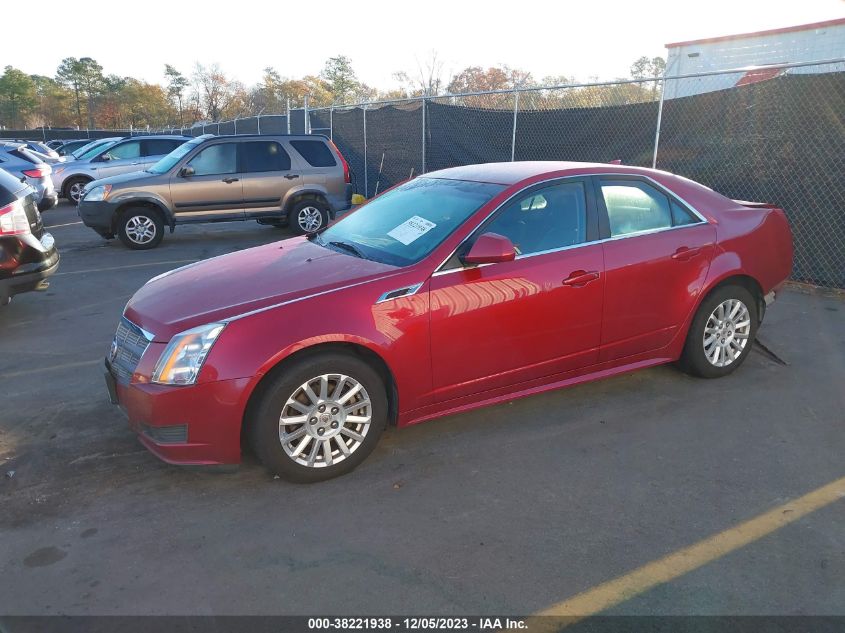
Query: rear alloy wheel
{"x": 320, "y": 419}
{"x": 308, "y": 216}
{"x": 140, "y": 229}
{"x": 74, "y": 187}
{"x": 722, "y": 333}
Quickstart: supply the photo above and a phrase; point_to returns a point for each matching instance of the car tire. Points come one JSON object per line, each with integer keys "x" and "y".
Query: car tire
{"x": 73, "y": 188}
{"x": 140, "y": 228}
{"x": 327, "y": 431}
{"x": 722, "y": 333}
{"x": 308, "y": 216}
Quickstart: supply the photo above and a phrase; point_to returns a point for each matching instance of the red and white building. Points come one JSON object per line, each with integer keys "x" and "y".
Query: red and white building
{"x": 802, "y": 43}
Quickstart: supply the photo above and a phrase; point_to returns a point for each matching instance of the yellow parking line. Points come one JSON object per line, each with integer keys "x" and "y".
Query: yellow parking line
{"x": 618, "y": 590}
{"x": 110, "y": 269}
{"x": 27, "y": 372}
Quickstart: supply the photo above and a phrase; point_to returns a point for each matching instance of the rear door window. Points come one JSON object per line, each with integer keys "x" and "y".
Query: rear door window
{"x": 260, "y": 156}
{"x": 159, "y": 147}
{"x": 634, "y": 207}
{"x": 316, "y": 153}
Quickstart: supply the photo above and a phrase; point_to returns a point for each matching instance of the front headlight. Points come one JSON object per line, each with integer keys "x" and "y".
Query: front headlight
{"x": 101, "y": 192}
{"x": 182, "y": 359}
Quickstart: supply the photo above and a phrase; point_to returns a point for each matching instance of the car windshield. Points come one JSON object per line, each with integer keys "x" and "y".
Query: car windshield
{"x": 93, "y": 150}
{"x": 405, "y": 224}
{"x": 166, "y": 163}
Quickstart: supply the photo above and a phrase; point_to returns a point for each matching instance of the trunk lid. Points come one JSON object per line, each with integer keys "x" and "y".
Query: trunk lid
{"x": 29, "y": 199}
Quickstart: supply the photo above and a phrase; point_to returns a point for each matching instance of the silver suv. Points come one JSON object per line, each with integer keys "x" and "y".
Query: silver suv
{"x": 122, "y": 156}
{"x": 300, "y": 180}
{"x": 24, "y": 165}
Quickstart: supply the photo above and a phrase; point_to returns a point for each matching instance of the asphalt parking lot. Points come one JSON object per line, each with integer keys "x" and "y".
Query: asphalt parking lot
{"x": 511, "y": 509}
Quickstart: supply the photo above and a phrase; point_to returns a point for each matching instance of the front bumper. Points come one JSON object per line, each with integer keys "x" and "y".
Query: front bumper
{"x": 97, "y": 215}
{"x": 187, "y": 425}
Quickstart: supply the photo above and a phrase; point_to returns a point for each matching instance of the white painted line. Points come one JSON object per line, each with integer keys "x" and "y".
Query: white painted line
{"x": 107, "y": 270}
{"x": 55, "y": 226}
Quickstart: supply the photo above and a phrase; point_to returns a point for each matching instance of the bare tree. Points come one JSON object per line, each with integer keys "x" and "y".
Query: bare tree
{"x": 213, "y": 90}
{"x": 426, "y": 81}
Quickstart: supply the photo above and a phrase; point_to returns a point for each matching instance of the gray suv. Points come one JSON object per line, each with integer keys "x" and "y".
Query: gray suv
{"x": 124, "y": 155}
{"x": 279, "y": 180}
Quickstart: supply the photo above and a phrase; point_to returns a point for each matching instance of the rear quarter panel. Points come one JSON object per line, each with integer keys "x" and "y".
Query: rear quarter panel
{"x": 753, "y": 242}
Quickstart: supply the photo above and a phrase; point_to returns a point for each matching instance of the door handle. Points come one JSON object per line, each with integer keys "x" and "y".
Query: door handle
{"x": 291, "y": 176}
{"x": 580, "y": 278}
{"x": 684, "y": 253}
{"x": 229, "y": 181}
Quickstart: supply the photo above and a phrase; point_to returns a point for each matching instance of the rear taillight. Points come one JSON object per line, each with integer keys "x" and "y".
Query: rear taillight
{"x": 13, "y": 220}
{"x": 347, "y": 177}
{"x": 38, "y": 172}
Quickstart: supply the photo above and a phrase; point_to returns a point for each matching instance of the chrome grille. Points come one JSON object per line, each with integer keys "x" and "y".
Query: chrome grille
{"x": 129, "y": 344}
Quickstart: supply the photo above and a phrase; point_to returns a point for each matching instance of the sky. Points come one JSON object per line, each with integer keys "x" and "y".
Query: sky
{"x": 596, "y": 39}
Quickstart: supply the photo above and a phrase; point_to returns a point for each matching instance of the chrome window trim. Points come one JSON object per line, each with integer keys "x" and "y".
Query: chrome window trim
{"x": 670, "y": 194}
{"x": 409, "y": 290}
{"x": 147, "y": 335}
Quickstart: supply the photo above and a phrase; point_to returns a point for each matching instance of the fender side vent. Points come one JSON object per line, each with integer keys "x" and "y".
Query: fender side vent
{"x": 399, "y": 292}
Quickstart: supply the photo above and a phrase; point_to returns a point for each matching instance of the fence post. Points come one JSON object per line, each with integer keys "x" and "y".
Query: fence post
{"x": 423, "y": 135}
{"x": 236, "y": 126}
{"x": 203, "y": 127}
{"x": 331, "y": 122}
{"x": 366, "y": 184}
{"x": 306, "y": 123}
{"x": 659, "y": 120}
{"x": 258, "y": 122}
{"x": 288, "y": 115}
{"x": 513, "y": 134}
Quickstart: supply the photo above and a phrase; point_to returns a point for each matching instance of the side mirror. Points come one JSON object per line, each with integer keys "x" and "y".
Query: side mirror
{"x": 490, "y": 248}
{"x": 186, "y": 171}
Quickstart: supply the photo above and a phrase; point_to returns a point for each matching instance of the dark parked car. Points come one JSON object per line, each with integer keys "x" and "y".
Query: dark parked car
{"x": 27, "y": 254}
{"x": 65, "y": 148}
{"x": 301, "y": 180}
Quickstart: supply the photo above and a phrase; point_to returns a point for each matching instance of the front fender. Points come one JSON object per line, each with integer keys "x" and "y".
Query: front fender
{"x": 397, "y": 331}
{"x": 145, "y": 197}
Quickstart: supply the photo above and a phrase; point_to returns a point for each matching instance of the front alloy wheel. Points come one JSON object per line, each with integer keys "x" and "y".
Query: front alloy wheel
{"x": 325, "y": 420}
{"x": 318, "y": 416}
{"x": 140, "y": 229}
{"x": 74, "y": 189}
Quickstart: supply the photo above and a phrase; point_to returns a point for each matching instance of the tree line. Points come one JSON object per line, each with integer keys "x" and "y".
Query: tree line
{"x": 82, "y": 95}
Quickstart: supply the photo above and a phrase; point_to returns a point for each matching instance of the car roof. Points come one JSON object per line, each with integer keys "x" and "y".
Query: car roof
{"x": 315, "y": 137}
{"x": 511, "y": 173}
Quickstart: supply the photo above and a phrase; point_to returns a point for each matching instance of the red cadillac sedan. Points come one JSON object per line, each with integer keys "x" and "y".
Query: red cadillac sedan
{"x": 461, "y": 288}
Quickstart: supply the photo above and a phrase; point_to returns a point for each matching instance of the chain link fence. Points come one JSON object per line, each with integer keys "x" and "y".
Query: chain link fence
{"x": 769, "y": 134}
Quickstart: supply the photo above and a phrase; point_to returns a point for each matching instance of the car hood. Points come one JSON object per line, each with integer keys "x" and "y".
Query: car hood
{"x": 122, "y": 179}
{"x": 230, "y": 285}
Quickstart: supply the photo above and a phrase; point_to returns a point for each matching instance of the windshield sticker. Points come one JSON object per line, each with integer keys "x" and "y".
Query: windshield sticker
{"x": 411, "y": 230}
